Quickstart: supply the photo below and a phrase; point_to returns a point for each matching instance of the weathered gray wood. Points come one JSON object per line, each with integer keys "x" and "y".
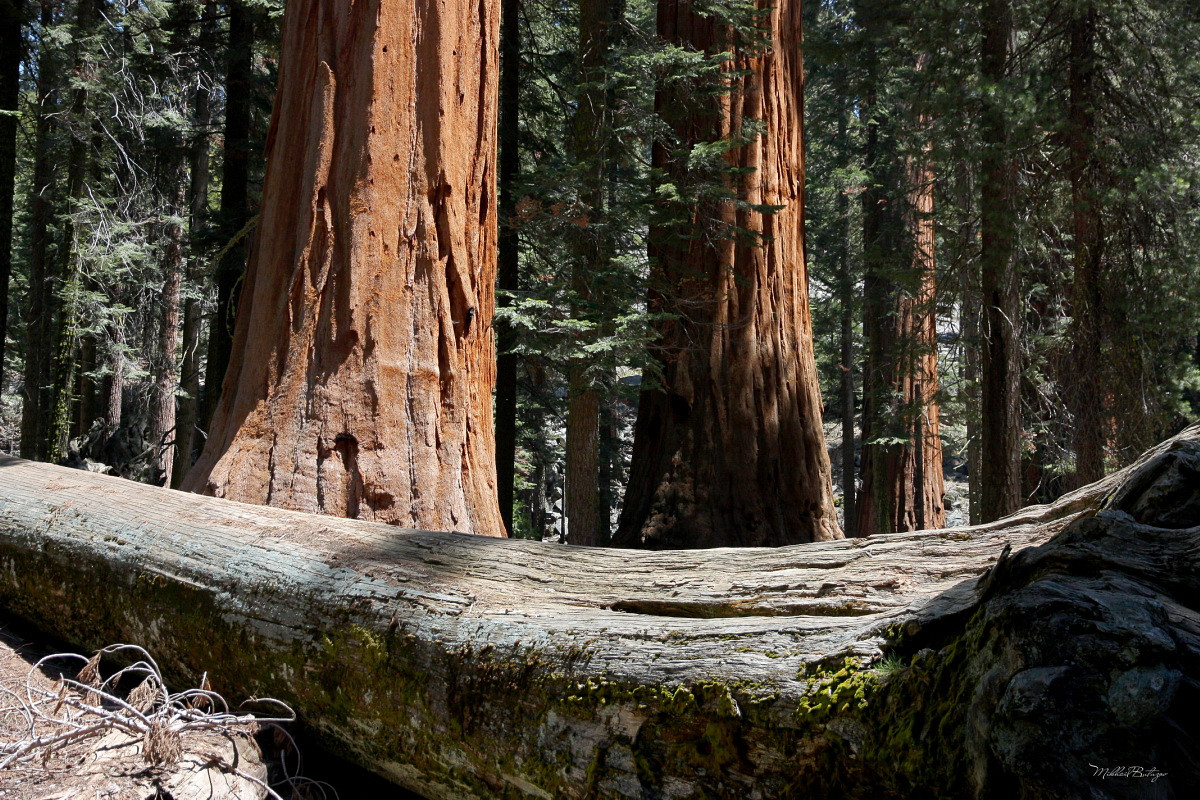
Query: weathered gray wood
{"x": 466, "y": 667}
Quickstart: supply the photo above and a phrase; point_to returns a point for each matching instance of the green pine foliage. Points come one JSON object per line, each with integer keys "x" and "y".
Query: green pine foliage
{"x": 114, "y": 89}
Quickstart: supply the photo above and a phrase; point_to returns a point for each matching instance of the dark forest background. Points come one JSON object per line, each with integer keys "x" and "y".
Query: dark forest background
{"x": 1003, "y": 227}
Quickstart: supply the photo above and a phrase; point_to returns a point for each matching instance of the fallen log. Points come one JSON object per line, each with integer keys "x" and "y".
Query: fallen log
{"x": 469, "y": 667}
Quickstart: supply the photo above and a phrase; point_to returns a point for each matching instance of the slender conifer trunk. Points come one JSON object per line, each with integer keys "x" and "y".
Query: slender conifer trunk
{"x": 42, "y": 301}
{"x": 67, "y": 275}
{"x": 235, "y": 202}
{"x": 12, "y": 16}
{"x": 999, "y": 471}
{"x": 198, "y": 155}
{"x": 587, "y": 522}
{"x": 1087, "y": 393}
{"x": 509, "y": 275}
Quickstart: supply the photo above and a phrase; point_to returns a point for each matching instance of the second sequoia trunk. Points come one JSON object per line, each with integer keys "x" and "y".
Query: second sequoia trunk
{"x": 363, "y": 363}
{"x": 903, "y": 486}
{"x": 730, "y": 450}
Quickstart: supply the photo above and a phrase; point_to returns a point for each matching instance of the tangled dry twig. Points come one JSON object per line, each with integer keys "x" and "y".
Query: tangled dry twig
{"x": 89, "y": 707}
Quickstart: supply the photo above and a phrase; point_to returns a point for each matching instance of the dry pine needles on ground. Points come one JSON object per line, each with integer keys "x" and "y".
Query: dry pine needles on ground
{"x": 86, "y": 736}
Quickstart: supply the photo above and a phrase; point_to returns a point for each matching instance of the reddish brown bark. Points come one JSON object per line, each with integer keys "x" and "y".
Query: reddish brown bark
{"x": 364, "y": 360}
{"x": 902, "y": 477}
{"x": 730, "y": 451}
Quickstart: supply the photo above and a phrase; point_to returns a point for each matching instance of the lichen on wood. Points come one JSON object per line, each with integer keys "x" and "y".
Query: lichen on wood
{"x": 468, "y": 667}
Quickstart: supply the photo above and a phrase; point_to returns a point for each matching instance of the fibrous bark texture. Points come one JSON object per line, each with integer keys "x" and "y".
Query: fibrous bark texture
{"x": 364, "y": 357}
{"x": 730, "y": 450}
{"x": 469, "y": 667}
{"x": 903, "y": 485}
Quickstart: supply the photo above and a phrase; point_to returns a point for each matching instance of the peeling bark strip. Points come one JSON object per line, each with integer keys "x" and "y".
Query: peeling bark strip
{"x": 730, "y": 451}
{"x": 468, "y": 667}
{"x": 364, "y": 357}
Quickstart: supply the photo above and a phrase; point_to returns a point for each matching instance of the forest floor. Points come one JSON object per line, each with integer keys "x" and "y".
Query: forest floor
{"x": 108, "y": 763}
{"x": 112, "y": 767}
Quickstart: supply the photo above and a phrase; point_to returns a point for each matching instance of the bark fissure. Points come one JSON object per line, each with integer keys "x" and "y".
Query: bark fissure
{"x": 387, "y": 353}
{"x": 731, "y": 450}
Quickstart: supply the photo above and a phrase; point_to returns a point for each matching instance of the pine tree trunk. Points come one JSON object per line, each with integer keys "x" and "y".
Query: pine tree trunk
{"x": 361, "y": 381}
{"x": 42, "y": 301}
{"x": 198, "y": 157}
{"x": 85, "y": 388}
{"x": 509, "y": 270}
{"x": 12, "y": 45}
{"x": 67, "y": 279}
{"x": 114, "y": 381}
{"x": 235, "y": 202}
{"x": 879, "y": 244}
{"x": 1087, "y": 393}
{"x": 166, "y": 350}
{"x": 999, "y": 472}
{"x": 846, "y": 343}
{"x": 969, "y": 339}
{"x": 849, "y": 482}
{"x": 581, "y": 502}
{"x": 585, "y": 523}
{"x": 731, "y": 450}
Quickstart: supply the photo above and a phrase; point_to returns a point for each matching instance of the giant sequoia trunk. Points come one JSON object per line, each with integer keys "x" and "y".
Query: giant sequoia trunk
{"x": 468, "y": 667}
{"x": 730, "y": 450}
{"x": 361, "y": 382}
{"x": 902, "y": 486}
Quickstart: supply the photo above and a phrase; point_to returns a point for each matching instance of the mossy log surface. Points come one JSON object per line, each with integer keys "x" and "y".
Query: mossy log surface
{"x": 900, "y": 665}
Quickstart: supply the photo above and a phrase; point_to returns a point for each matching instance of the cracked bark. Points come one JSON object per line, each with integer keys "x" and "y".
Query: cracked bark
{"x": 730, "y": 451}
{"x": 902, "y": 482}
{"x": 364, "y": 358}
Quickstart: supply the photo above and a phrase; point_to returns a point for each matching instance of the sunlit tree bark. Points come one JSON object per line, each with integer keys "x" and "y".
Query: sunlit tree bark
{"x": 363, "y": 359}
